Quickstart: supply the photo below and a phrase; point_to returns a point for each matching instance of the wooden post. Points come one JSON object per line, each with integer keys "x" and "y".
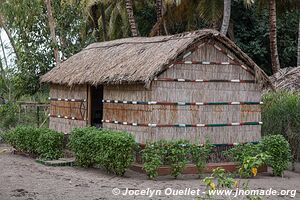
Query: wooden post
{"x": 89, "y": 105}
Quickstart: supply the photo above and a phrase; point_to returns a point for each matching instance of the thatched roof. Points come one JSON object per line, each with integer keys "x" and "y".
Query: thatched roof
{"x": 287, "y": 79}
{"x": 134, "y": 60}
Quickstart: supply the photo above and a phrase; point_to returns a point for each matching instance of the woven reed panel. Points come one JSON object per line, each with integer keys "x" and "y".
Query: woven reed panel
{"x": 69, "y": 109}
{"x": 190, "y": 92}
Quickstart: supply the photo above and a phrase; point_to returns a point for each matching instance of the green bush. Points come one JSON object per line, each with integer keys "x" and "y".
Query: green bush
{"x": 274, "y": 149}
{"x": 111, "y": 149}
{"x": 152, "y": 158}
{"x": 50, "y": 144}
{"x": 239, "y": 152}
{"x": 281, "y": 115}
{"x": 83, "y": 142}
{"x": 200, "y": 154}
{"x": 24, "y": 138}
{"x": 176, "y": 156}
{"x": 279, "y": 151}
{"x": 45, "y": 143}
{"x": 174, "y": 153}
{"x": 116, "y": 151}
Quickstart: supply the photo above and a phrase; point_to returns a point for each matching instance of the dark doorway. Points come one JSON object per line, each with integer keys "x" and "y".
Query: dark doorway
{"x": 96, "y": 105}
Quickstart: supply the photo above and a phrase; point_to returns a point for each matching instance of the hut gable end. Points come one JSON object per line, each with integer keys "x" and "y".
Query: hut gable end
{"x": 137, "y": 60}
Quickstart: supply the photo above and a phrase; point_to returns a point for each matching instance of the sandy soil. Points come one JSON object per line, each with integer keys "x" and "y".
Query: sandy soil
{"x": 21, "y": 178}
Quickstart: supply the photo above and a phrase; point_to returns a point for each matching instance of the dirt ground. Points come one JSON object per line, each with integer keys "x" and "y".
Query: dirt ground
{"x": 22, "y": 178}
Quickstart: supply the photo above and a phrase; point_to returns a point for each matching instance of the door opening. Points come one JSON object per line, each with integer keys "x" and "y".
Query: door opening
{"x": 96, "y": 105}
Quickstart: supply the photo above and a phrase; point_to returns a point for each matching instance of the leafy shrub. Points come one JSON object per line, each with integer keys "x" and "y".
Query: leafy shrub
{"x": 50, "y": 144}
{"x": 174, "y": 153}
{"x": 281, "y": 112}
{"x": 116, "y": 151}
{"x": 24, "y": 138}
{"x": 82, "y": 142}
{"x": 152, "y": 158}
{"x": 110, "y": 149}
{"x": 280, "y": 153}
{"x": 200, "y": 154}
{"x": 250, "y": 164}
{"x": 221, "y": 178}
{"x": 241, "y": 151}
{"x": 45, "y": 143}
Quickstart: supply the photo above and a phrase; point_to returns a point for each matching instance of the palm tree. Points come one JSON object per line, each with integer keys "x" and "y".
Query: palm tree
{"x": 159, "y": 13}
{"x": 298, "y": 49}
{"x": 273, "y": 5}
{"x": 131, "y": 18}
{"x": 226, "y": 16}
{"x": 273, "y": 37}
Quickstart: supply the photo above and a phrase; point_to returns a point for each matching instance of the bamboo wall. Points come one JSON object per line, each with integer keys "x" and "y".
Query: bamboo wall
{"x": 75, "y": 107}
{"x": 172, "y": 91}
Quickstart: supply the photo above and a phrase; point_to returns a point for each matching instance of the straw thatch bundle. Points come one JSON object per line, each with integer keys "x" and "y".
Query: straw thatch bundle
{"x": 135, "y": 60}
{"x": 286, "y": 79}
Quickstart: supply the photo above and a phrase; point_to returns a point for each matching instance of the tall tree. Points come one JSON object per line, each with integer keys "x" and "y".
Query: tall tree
{"x": 298, "y": 49}
{"x": 159, "y": 13}
{"x": 131, "y": 18}
{"x": 103, "y": 20}
{"x": 51, "y": 23}
{"x": 226, "y": 16}
{"x": 273, "y": 36}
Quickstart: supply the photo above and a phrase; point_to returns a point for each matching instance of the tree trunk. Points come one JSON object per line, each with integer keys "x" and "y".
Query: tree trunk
{"x": 95, "y": 17}
{"x": 226, "y": 16}
{"x": 2, "y": 69}
{"x": 131, "y": 18}
{"x": 298, "y": 56}
{"x": 273, "y": 36}
{"x": 159, "y": 14}
{"x": 52, "y": 30}
{"x": 103, "y": 19}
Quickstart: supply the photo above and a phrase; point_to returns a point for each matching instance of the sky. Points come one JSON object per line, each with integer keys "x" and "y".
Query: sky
{"x": 8, "y": 49}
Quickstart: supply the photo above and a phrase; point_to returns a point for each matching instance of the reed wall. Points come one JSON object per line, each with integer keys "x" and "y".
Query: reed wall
{"x": 68, "y": 107}
{"x": 172, "y": 91}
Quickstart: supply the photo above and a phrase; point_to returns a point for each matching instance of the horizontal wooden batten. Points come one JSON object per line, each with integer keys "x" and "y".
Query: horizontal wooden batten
{"x": 66, "y": 117}
{"x": 183, "y": 125}
{"x": 62, "y": 99}
{"x": 180, "y": 103}
{"x": 206, "y": 63}
{"x": 68, "y": 107}
{"x": 214, "y": 145}
{"x": 204, "y": 81}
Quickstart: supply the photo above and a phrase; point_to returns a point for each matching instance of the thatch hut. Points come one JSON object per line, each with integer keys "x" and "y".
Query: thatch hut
{"x": 187, "y": 86}
{"x": 286, "y": 79}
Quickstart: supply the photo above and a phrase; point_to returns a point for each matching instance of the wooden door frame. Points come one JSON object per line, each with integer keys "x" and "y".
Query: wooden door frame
{"x": 89, "y": 105}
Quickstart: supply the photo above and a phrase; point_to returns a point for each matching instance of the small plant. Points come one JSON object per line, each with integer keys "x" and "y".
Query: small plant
{"x": 250, "y": 165}
{"x": 174, "y": 153}
{"x": 200, "y": 154}
{"x": 176, "y": 156}
{"x": 239, "y": 152}
{"x": 280, "y": 153}
{"x": 221, "y": 180}
{"x": 152, "y": 158}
